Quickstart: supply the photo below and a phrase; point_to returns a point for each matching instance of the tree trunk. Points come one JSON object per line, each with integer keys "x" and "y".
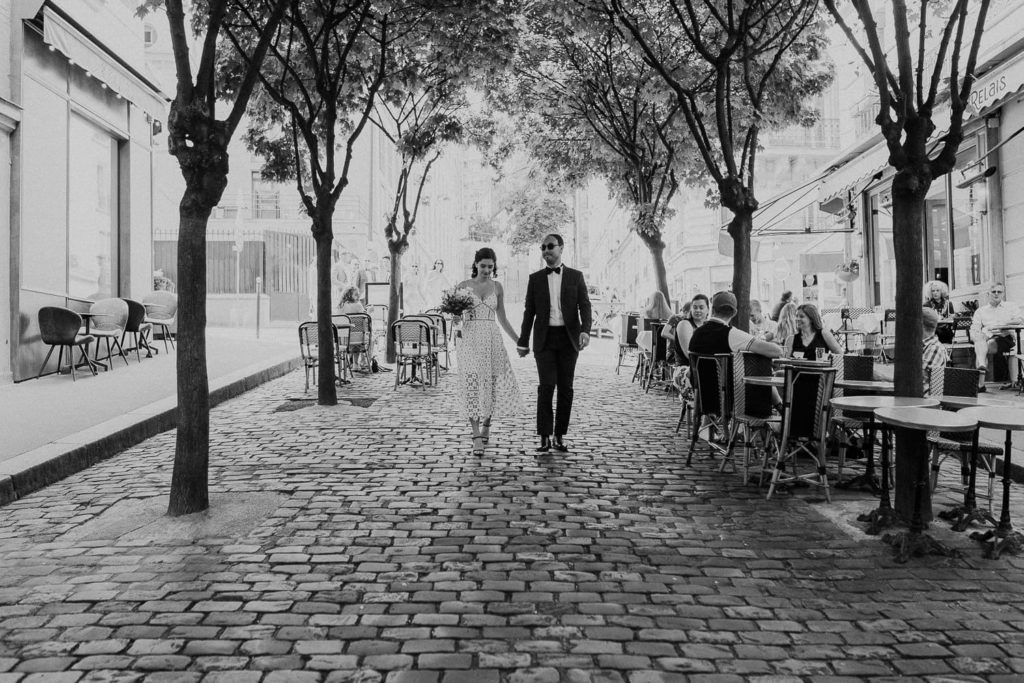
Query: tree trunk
{"x": 657, "y": 249}
{"x": 739, "y": 229}
{"x": 189, "y": 485}
{"x": 908, "y": 192}
{"x": 327, "y": 393}
{"x": 393, "y": 304}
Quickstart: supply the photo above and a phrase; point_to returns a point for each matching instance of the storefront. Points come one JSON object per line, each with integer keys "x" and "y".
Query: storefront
{"x": 81, "y": 167}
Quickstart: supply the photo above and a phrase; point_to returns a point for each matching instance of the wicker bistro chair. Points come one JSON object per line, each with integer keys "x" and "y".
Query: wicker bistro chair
{"x": 138, "y": 328}
{"x": 962, "y": 338}
{"x": 341, "y": 358}
{"x": 59, "y": 327}
{"x": 752, "y": 409}
{"x": 413, "y": 350}
{"x": 959, "y": 382}
{"x": 712, "y": 404}
{"x": 360, "y": 340}
{"x": 110, "y": 320}
{"x": 644, "y": 356}
{"x": 657, "y": 366}
{"x": 309, "y": 346}
{"x": 627, "y": 338}
{"x": 805, "y": 402}
{"x": 437, "y": 341}
{"x": 161, "y": 312}
{"x": 887, "y": 339}
{"x": 848, "y": 431}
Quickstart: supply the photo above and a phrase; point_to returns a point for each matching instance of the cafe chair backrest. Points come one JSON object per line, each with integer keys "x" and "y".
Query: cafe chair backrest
{"x": 805, "y": 400}
{"x": 58, "y": 325}
{"x": 111, "y": 315}
{"x": 629, "y": 331}
{"x": 164, "y": 305}
{"x": 748, "y": 399}
{"x": 711, "y": 383}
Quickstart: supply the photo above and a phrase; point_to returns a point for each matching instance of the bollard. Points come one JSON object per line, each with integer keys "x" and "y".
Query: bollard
{"x": 259, "y": 282}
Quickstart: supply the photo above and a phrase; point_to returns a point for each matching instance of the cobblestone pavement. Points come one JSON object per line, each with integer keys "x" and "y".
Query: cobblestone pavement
{"x": 395, "y": 555}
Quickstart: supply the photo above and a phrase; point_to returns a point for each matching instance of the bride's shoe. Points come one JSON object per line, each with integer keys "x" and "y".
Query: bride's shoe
{"x": 478, "y": 445}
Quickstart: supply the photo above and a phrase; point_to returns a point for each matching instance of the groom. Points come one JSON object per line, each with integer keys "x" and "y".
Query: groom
{"x": 557, "y": 297}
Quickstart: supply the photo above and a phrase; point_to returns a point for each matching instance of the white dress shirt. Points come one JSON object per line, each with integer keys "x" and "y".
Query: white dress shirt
{"x": 555, "y": 290}
{"x": 989, "y": 316}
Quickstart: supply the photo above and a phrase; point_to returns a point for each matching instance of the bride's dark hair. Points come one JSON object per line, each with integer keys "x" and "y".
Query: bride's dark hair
{"x": 480, "y": 255}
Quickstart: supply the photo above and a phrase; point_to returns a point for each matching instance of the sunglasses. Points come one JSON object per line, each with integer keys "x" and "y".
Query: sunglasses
{"x": 996, "y": 291}
{"x": 549, "y": 245}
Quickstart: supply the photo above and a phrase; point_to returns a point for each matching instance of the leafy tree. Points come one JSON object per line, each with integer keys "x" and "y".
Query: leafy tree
{"x": 532, "y": 211}
{"x": 199, "y": 141}
{"x": 326, "y": 65}
{"x": 594, "y": 107}
{"x": 748, "y": 66}
{"x": 423, "y": 105}
{"x": 911, "y": 93}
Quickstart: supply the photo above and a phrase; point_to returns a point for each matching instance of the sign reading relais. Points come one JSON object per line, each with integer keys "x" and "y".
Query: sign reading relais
{"x": 995, "y": 85}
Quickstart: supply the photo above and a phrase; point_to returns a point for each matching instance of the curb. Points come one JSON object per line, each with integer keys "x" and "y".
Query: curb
{"x": 35, "y": 469}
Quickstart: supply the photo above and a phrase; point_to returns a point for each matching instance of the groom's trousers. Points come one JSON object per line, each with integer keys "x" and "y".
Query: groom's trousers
{"x": 556, "y": 367}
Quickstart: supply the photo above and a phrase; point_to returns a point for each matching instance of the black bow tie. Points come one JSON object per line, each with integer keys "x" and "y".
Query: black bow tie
{"x": 554, "y": 270}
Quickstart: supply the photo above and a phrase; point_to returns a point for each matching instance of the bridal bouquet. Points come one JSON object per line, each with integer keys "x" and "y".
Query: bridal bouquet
{"x": 456, "y": 301}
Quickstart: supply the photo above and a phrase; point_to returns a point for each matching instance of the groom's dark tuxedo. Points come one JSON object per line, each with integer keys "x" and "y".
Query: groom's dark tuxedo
{"x": 555, "y": 348}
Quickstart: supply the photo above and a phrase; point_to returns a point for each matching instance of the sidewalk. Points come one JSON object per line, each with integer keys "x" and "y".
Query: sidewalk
{"x": 54, "y": 426}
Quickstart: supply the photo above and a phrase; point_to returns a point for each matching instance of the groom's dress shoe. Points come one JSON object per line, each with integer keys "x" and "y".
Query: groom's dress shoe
{"x": 545, "y": 444}
{"x": 558, "y": 445}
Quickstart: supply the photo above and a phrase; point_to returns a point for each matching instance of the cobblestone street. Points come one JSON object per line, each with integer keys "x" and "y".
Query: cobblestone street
{"x": 379, "y": 549}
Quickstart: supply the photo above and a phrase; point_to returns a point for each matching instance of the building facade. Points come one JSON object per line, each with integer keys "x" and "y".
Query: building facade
{"x": 78, "y": 117}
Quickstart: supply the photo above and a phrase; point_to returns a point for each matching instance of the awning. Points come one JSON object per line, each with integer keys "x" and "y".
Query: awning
{"x": 995, "y": 87}
{"x": 62, "y": 36}
{"x": 849, "y": 175}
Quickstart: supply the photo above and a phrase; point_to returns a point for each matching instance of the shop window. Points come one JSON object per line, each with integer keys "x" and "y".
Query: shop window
{"x": 883, "y": 251}
{"x": 92, "y": 205}
{"x": 936, "y": 226}
{"x": 972, "y": 264}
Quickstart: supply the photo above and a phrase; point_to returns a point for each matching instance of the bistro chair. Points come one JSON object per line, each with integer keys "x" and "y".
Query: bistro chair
{"x": 805, "y": 405}
{"x": 360, "y": 340}
{"x": 109, "y": 322}
{"x": 341, "y": 359}
{"x": 436, "y": 337}
{"x": 657, "y": 366}
{"x": 961, "y": 338}
{"x": 848, "y": 430}
{"x": 644, "y": 355}
{"x": 887, "y": 338}
{"x": 752, "y": 409}
{"x": 309, "y": 346}
{"x": 161, "y": 313}
{"x": 413, "y": 351}
{"x": 959, "y": 382}
{"x": 59, "y": 327}
{"x": 138, "y": 328}
{"x": 627, "y": 337}
{"x": 712, "y": 405}
{"x": 441, "y": 340}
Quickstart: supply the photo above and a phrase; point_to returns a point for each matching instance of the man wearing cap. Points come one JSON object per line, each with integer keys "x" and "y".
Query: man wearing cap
{"x": 718, "y": 336}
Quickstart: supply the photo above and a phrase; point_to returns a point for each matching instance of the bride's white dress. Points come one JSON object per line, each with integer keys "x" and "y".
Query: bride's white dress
{"x": 487, "y": 385}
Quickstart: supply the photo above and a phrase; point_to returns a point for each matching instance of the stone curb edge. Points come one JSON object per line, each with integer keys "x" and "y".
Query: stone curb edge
{"x": 53, "y": 462}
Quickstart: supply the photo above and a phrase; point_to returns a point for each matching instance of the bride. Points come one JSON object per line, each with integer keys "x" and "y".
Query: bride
{"x": 487, "y": 385}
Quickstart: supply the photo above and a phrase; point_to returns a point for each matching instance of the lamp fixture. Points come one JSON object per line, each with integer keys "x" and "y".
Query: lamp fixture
{"x": 977, "y": 177}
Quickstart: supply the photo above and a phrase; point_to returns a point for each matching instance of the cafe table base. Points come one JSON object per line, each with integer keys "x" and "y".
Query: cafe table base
{"x": 968, "y": 512}
{"x": 915, "y": 542}
{"x": 884, "y": 516}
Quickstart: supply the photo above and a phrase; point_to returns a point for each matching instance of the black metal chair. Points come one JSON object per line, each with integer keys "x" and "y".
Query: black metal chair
{"x": 846, "y": 430}
{"x": 627, "y": 337}
{"x": 309, "y": 346}
{"x": 59, "y": 327}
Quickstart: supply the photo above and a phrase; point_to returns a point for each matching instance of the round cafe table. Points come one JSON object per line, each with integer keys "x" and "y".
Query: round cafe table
{"x": 874, "y": 386}
{"x": 915, "y": 542}
{"x": 960, "y": 402}
{"x": 865, "y": 406}
{"x": 1003, "y": 537}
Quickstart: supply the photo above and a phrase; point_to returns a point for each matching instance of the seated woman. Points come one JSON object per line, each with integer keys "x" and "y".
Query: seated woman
{"x": 810, "y": 335}
{"x": 786, "y": 326}
{"x": 700, "y": 306}
{"x": 350, "y": 302}
{"x": 937, "y": 299}
{"x": 656, "y": 308}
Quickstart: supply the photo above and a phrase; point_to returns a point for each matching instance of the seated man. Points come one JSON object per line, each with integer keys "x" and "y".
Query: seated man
{"x": 934, "y": 356}
{"x": 989, "y": 334}
{"x": 717, "y": 336}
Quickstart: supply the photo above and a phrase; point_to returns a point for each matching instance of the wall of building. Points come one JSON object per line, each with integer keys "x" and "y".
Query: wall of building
{"x": 1011, "y": 178}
